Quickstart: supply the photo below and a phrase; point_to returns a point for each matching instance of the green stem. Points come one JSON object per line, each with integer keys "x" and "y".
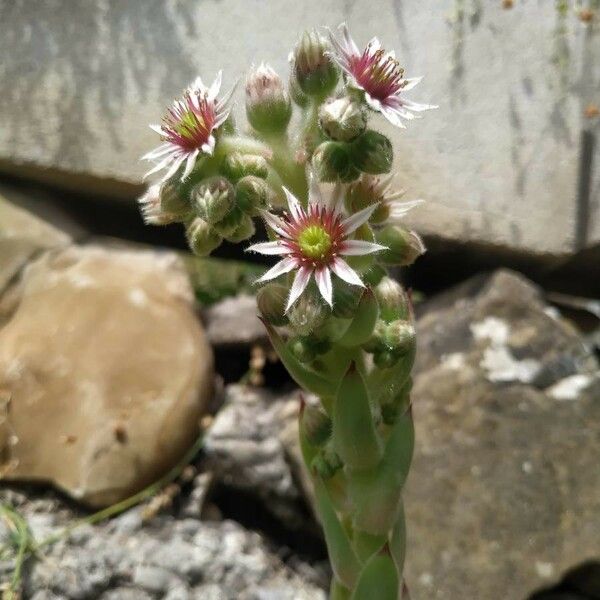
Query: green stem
{"x": 291, "y": 172}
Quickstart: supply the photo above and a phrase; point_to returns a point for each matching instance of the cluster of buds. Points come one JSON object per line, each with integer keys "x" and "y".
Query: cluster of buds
{"x": 341, "y": 326}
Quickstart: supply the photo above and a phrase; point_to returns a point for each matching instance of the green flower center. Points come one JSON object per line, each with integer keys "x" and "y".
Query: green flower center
{"x": 314, "y": 242}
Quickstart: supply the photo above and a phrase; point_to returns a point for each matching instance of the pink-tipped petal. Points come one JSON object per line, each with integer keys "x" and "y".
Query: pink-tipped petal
{"x": 269, "y": 248}
{"x": 344, "y": 271}
{"x": 275, "y": 223}
{"x": 300, "y": 282}
{"x": 360, "y": 248}
{"x": 283, "y": 266}
{"x": 323, "y": 278}
{"x": 294, "y": 205}
{"x": 353, "y": 222}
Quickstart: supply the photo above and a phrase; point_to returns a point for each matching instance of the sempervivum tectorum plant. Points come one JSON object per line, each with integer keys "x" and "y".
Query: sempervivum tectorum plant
{"x": 348, "y": 334}
{"x": 379, "y": 75}
{"x": 313, "y": 241}
{"x": 188, "y": 128}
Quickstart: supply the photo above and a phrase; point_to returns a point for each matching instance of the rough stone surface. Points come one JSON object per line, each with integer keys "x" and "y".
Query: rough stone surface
{"x": 499, "y": 162}
{"x": 104, "y": 371}
{"x": 234, "y": 322}
{"x": 168, "y": 557}
{"x": 252, "y": 447}
{"x": 22, "y": 236}
{"x": 504, "y": 492}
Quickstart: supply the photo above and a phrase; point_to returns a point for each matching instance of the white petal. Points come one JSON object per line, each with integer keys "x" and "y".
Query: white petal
{"x": 373, "y": 102}
{"x": 214, "y": 89}
{"x": 295, "y": 208}
{"x": 269, "y": 248}
{"x": 360, "y": 248}
{"x": 275, "y": 223}
{"x": 344, "y": 271}
{"x": 159, "y": 167}
{"x": 173, "y": 168}
{"x": 410, "y": 105}
{"x": 190, "y": 164}
{"x": 197, "y": 85}
{"x": 399, "y": 209}
{"x": 158, "y": 129}
{"x": 209, "y": 147}
{"x": 159, "y": 152}
{"x": 323, "y": 277}
{"x": 393, "y": 117}
{"x": 283, "y": 266}
{"x": 411, "y": 82}
{"x": 300, "y": 282}
{"x": 353, "y": 222}
{"x": 348, "y": 39}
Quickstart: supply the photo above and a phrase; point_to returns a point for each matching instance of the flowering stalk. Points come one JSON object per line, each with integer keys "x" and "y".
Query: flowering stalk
{"x": 348, "y": 334}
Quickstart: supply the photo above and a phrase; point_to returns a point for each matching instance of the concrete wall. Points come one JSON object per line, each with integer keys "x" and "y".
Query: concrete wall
{"x": 500, "y": 162}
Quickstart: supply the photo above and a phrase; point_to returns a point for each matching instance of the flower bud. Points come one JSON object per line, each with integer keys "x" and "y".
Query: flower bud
{"x": 303, "y": 349}
{"x": 172, "y": 201}
{"x": 400, "y": 336}
{"x": 150, "y": 207}
{"x": 342, "y": 119}
{"x": 238, "y": 165}
{"x": 332, "y": 162}
{"x": 244, "y": 231}
{"x": 271, "y": 300}
{"x": 404, "y": 246}
{"x": 227, "y": 226}
{"x": 384, "y": 359}
{"x": 307, "y": 314}
{"x": 376, "y": 342}
{"x": 373, "y": 275}
{"x": 315, "y": 425}
{"x": 315, "y": 72}
{"x": 252, "y": 194}
{"x": 268, "y": 105}
{"x": 213, "y": 198}
{"x": 326, "y": 463}
{"x": 297, "y": 95}
{"x": 372, "y": 153}
{"x": 393, "y": 300}
{"x": 201, "y": 238}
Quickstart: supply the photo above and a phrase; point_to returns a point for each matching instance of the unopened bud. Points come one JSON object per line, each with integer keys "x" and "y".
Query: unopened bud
{"x": 201, "y": 238}
{"x": 307, "y": 314}
{"x": 172, "y": 201}
{"x": 151, "y": 210}
{"x": 393, "y": 300}
{"x": 403, "y": 246}
{"x": 238, "y": 165}
{"x": 303, "y": 349}
{"x": 332, "y": 162}
{"x": 252, "y": 194}
{"x": 297, "y": 95}
{"x": 315, "y": 72}
{"x": 400, "y": 336}
{"x": 376, "y": 343}
{"x": 244, "y": 231}
{"x": 342, "y": 119}
{"x": 372, "y": 153}
{"x": 268, "y": 105}
{"x": 271, "y": 300}
{"x": 373, "y": 275}
{"x": 315, "y": 425}
{"x": 213, "y": 198}
{"x": 230, "y": 222}
{"x": 326, "y": 463}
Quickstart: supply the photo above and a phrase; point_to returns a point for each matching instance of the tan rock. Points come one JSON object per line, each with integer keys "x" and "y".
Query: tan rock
{"x": 21, "y": 236}
{"x": 105, "y": 372}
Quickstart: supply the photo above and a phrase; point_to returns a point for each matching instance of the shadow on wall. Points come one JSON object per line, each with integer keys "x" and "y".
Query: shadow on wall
{"x": 580, "y": 583}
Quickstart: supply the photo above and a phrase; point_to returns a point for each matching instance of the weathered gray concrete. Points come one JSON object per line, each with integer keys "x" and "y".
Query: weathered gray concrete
{"x": 499, "y": 161}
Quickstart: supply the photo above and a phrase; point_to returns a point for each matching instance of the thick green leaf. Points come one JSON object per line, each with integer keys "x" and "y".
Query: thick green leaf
{"x": 362, "y": 325}
{"x": 379, "y": 580}
{"x": 343, "y": 560}
{"x": 398, "y": 541}
{"x": 302, "y": 375}
{"x": 355, "y": 437}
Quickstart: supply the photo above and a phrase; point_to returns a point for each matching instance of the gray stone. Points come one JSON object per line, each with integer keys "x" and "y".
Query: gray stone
{"x": 499, "y": 161}
{"x": 504, "y": 491}
{"x": 171, "y": 558}
{"x": 234, "y": 322}
{"x": 246, "y": 448}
